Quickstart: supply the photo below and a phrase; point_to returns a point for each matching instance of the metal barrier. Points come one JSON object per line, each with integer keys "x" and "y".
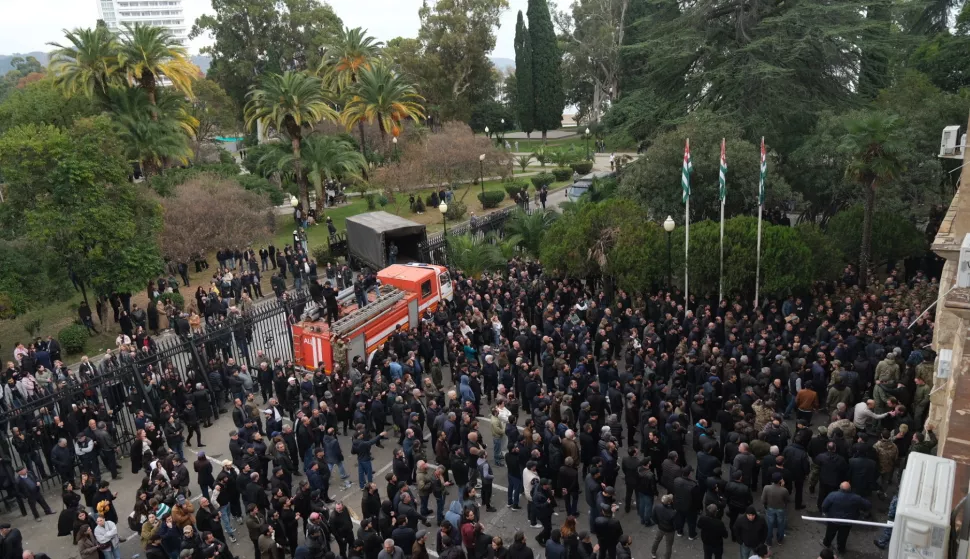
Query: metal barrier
{"x": 122, "y": 386}
{"x": 434, "y": 250}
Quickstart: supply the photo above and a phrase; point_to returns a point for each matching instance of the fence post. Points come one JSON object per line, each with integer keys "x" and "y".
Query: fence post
{"x": 199, "y": 362}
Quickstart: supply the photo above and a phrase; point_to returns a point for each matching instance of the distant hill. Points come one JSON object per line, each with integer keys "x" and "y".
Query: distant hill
{"x": 503, "y": 64}
{"x": 6, "y": 58}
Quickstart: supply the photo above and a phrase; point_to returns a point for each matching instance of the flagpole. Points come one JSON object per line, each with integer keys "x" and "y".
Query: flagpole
{"x": 761, "y": 205}
{"x": 687, "y": 233}
{"x": 722, "y": 182}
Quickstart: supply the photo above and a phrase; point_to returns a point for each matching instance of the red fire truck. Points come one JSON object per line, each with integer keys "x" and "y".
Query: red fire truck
{"x": 406, "y": 291}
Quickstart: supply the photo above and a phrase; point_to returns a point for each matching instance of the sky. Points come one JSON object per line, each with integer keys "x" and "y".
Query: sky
{"x": 29, "y": 26}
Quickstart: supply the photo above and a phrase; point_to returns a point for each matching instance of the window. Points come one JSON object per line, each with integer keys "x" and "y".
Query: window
{"x": 445, "y": 280}
{"x": 426, "y": 289}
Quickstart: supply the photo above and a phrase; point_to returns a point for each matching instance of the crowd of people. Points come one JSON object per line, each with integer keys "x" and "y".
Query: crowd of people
{"x": 715, "y": 415}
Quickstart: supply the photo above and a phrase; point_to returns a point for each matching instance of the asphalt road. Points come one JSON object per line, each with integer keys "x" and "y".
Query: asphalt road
{"x": 802, "y": 539}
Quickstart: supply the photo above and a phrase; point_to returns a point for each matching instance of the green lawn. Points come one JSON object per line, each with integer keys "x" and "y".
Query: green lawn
{"x": 317, "y": 235}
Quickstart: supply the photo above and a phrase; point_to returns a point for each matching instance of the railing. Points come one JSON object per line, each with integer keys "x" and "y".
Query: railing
{"x": 433, "y": 251}
{"x": 123, "y": 385}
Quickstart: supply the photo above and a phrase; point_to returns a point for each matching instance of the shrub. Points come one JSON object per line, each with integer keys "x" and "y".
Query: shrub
{"x": 456, "y": 210}
{"x": 542, "y": 179}
{"x": 562, "y": 173}
{"x": 583, "y": 167}
{"x": 418, "y": 204}
{"x": 7, "y": 308}
{"x": 176, "y": 298}
{"x": 383, "y": 200}
{"x": 322, "y": 255}
{"x": 226, "y": 158}
{"x": 491, "y": 198}
{"x": 514, "y": 187}
{"x": 73, "y": 338}
{"x": 258, "y": 184}
{"x": 371, "y": 201}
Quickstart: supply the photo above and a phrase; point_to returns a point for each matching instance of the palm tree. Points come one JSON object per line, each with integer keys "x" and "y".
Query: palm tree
{"x": 289, "y": 102}
{"x": 874, "y": 145}
{"x": 88, "y": 63}
{"x": 384, "y": 96}
{"x": 530, "y": 228}
{"x": 523, "y": 161}
{"x": 148, "y": 53}
{"x": 153, "y": 134}
{"x": 473, "y": 255}
{"x": 351, "y": 51}
{"x": 508, "y": 246}
{"x": 323, "y": 158}
{"x": 562, "y": 157}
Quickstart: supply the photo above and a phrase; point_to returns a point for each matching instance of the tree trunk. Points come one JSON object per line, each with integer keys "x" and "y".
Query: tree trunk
{"x": 84, "y": 290}
{"x": 363, "y": 148}
{"x": 865, "y": 254}
{"x": 301, "y": 180}
{"x": 594, "y": 113}
{"x": 321, "y": 197}
{"x": 543, "y": 136}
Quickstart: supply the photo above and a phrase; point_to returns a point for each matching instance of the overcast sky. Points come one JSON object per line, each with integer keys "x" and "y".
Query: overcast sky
{"x": 29, "y": 26}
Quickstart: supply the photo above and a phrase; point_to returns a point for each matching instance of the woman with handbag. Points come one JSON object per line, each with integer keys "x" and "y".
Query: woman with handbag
{"x": 108, "y": 542}
{"x": 87, "y": 545}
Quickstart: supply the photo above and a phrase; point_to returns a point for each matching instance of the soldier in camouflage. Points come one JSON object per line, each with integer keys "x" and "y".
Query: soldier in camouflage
{"x": 887, "y": 453}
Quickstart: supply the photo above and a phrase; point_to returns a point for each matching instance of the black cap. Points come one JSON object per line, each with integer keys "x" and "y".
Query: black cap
{"x": 776, "y": 477}
{"x": 751, "y": 510}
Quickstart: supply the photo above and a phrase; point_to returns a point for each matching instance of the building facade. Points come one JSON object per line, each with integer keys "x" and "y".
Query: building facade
{"x": 159, "y": 13}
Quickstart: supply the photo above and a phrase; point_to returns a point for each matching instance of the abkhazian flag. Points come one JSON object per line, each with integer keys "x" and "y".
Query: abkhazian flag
{"x": 685, "y": 174}
{"x": 722, "y": 175}
{"x": 764, "y": 174}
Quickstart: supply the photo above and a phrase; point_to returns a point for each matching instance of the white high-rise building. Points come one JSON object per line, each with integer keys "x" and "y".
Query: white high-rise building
{"x": 159, "y": 13}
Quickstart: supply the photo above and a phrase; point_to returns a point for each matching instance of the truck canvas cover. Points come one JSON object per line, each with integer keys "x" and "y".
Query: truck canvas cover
{"x": 368, "y": 235}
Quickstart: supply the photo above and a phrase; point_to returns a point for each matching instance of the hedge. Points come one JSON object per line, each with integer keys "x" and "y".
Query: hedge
{"x": 582, "y": 168}
{"x": 542, "y": 179}
{"x": 73, "y": 338}
{"x": 514, "y": 187}
{"x": 456, "y": 210}
{"x": 491, "y": 198}
{"x": 562, "y": 173}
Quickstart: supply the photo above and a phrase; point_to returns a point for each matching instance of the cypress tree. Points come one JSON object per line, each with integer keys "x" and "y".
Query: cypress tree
{"x": 525, "y": 98}
{"x": 546, "y": 75}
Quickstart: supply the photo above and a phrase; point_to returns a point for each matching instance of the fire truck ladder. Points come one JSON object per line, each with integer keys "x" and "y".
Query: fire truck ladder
{"x": 355, "y": 319}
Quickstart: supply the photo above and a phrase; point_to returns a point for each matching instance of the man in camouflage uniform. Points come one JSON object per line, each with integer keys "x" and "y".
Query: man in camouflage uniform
{"x": 887, "y": 373}
{"x": 921, "y": 400}
{"x": 887, "y": 453}
{"x": 762, "y": 414}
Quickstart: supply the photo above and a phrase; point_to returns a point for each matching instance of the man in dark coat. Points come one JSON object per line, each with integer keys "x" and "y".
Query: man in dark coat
{"x": 842, "y": 504}
{"x": 28, "y": 488}
{"x": 750, "y": 530}
{"x": 832, "y": 470}
{"x": 687, "y": 502}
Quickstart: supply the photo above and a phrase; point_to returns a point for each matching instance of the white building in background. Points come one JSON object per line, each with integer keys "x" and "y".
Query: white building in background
{"x": 159, "y": 13}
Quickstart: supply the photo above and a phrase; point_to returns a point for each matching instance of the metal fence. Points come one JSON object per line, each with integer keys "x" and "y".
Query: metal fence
{"x": 120, "y": 388}
{"x": 433, "y": 251}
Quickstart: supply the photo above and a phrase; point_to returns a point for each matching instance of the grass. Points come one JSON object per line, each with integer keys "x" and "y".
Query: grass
{"x": 317, "y": 235}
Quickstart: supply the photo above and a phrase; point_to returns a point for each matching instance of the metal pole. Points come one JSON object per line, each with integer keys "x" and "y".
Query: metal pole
{"x": 668, "y": 259}
{"x": 444, "y": 223}
{"x": 587, "y": 147}
{"x": 481, "y": 165}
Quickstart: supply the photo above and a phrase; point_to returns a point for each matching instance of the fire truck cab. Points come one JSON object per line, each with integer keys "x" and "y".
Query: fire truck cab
{"x": 405, "y": 292}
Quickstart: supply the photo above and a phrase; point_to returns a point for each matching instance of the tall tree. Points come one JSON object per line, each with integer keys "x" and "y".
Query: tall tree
{"x": 525, "y": 97}
{"x": 148, "y": 54}
{"x": 546, "y": 74}
{"x": 323, "y": 158}
{"x": 289, "y": 103}
{"x": 593, "y": 32}
{"x": 874, "y": 146}
{"x": 213, "y": 109}
{"x": 449, "y": 62}
{"x": 351, "y": 51}
{"x": 88, "y": 63}
{"x": 153, "y": 133}
{"x": 254, "y": 37}
{"x": 69, "y": 194}
{"x": 383, "y": 96}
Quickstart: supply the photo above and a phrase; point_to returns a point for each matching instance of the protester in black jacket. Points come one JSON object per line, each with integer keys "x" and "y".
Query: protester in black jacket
{"x": 665, "y": 517}
{"x": 713, "y": 532}
{"x": 750, "y": 530}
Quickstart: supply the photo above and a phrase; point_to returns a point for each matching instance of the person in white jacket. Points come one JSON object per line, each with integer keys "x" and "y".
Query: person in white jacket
{"x": 530, "y": 479}
{"x": 107, "y": 532}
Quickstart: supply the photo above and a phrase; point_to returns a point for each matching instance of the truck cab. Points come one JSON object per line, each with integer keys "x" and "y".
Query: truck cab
{"x": 430, "y": 282}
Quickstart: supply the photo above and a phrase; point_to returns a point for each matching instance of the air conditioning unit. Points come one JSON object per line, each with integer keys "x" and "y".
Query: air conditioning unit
{"x": 948, "y": 142}
{"x": 921, "y": 528}
{"x": 944, "y": 366}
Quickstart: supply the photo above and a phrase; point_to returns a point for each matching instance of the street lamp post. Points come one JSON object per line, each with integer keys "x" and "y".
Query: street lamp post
{"x": 587, "y": 144}
{"x": 500, "y": 135}
{"x": 669, "y": 228}
{"x": 486, "y": 132}
{"x": 481, "y": 175}
{"x": 443, "y": 208}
